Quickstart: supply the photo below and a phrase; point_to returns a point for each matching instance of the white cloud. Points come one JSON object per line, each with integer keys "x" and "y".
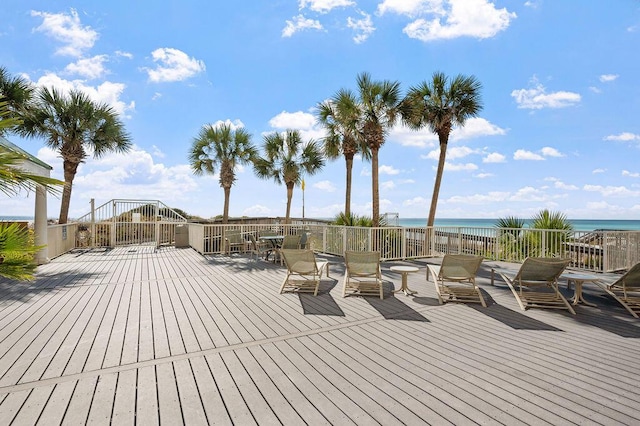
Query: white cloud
{"x": 173, "y": 65}
{"x": 454, "y": 152}
{"x": 233, "y": 125}
{"x": 124, "y": 54}
{"x": 490, "y": 198}
{"x": 157, "y": 152}
{"x": 611, "y": 191}
{"x": 68, "y": 30}
{"x": 324, "y": 6}
{"x": 459, "y": 167}
{"x": 494, "y": 157}
{"x": 257, "y": 211}
{"x": 90, "y": 68}
{"x": 325, "y": 185}
{"x": 483, "y": 175}
{"x": 596, "y": 171}
{"x": 471, "y": 18}
{"x": 299, "y": 23}
{"x": 293, "y": 120}
{"x": 474, "y": 128}
{"x": 551, "y": 152}
{"x": 605, "y": 78}
{"x": 623, "y": 137}
{"x": 405, "y": 136}
{"x": 388, "y": 185}
{"x": 595, "y": 89}
{"x": 630, "y": 174}
{"x": 410, "y": 8}
{"x": 388, "y": 170}
{"x": 528, "y": 193}
{"x": 416, "y": 202}
{"x": 537, "y": 98}
{"x": 561, "y": 185}
{"x": 107, "y": 92}
{"x": 363, "y": 27}
{"x": 304, "y": 122}
{"x": 522, "y": 154}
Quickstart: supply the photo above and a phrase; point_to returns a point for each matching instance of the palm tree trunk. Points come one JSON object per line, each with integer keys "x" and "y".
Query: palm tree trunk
{"x": 289, "y": 198}
{"x": 225, "y": 212}
{"x": 436, "y": 185}
{"x": 375, "y": 193}
{"x": 347, "y": 200}
{"x": 70, "y": 169}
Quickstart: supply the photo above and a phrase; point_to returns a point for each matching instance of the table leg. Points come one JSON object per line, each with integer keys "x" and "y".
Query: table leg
{"x": 404, "y": 288}
{"x": 577, "y": 296}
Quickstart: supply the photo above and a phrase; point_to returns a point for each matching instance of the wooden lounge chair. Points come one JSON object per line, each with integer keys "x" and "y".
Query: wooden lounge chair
{"x": 626, "y": 290}
{"x": 535, "y": 284}
{"x": 362, "y": 275}
{"x": 455, "y": 278}
{"x": 289, "y": 242}
{"x": 303, "y": 271}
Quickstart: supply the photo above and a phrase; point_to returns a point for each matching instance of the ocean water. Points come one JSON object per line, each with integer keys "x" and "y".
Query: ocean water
{"x": 578, "y": 224}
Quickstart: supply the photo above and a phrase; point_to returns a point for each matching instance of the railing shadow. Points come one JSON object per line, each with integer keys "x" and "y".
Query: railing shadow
{"x": 21, "y": 291}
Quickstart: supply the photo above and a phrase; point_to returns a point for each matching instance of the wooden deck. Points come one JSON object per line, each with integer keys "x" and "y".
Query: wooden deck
{"x": 138, "y": 336}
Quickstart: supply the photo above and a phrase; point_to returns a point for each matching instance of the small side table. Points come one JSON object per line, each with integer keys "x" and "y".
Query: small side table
{"x": 579, "y": 280}
{"x": 404, "y": 270}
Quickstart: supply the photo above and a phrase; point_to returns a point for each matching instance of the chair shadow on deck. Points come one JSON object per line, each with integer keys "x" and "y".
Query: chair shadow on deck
{"x": 323, "y": 303}
{"x": 392, "y": 307}
{"x": 509, "y": 317}
{"x": 608, "y": 315}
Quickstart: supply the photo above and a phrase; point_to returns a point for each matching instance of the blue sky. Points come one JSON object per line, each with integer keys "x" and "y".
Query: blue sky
{"x": 561, "y": 95}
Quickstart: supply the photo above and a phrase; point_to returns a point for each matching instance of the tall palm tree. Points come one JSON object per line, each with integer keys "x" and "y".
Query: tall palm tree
{"x": 286, "y": 159}
{"x": 17, "y": 93}
{"x": 379, "y": 108}
{"x": 221, "y": 148}
{"x": 75, "y": 126}
{"x": 339, "y": 116}
{"x": 441, "y": 104}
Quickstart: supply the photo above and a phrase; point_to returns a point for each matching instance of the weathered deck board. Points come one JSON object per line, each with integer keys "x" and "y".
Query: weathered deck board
{"x": 139, "y": 335}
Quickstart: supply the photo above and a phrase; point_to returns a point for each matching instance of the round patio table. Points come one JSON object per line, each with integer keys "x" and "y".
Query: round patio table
{"x": 579, "y": 279}
{"x": 404, "y": 270}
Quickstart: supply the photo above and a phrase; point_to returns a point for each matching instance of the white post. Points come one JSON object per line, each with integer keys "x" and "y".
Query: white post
{"x": 40, "y": 224}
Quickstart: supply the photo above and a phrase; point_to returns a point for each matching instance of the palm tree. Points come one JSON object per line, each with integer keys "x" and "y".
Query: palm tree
{"x": 441, "y": 104}
{"x": 75, "y": 126}
{"x": 221, "y": 148}
{"x": 339, "y": 115}
{"x": 17, "y": 92}
{"x": 286, "y": 159}
{"x": 17, "y": 247}
{"x": 379, "y": 108}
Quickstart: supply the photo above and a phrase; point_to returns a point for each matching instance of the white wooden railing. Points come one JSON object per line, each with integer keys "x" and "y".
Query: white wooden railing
{"x": 594, "y": 251}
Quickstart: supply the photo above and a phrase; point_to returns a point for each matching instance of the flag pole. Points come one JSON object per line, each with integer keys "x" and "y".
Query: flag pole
{"x": 302, "y": 185}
